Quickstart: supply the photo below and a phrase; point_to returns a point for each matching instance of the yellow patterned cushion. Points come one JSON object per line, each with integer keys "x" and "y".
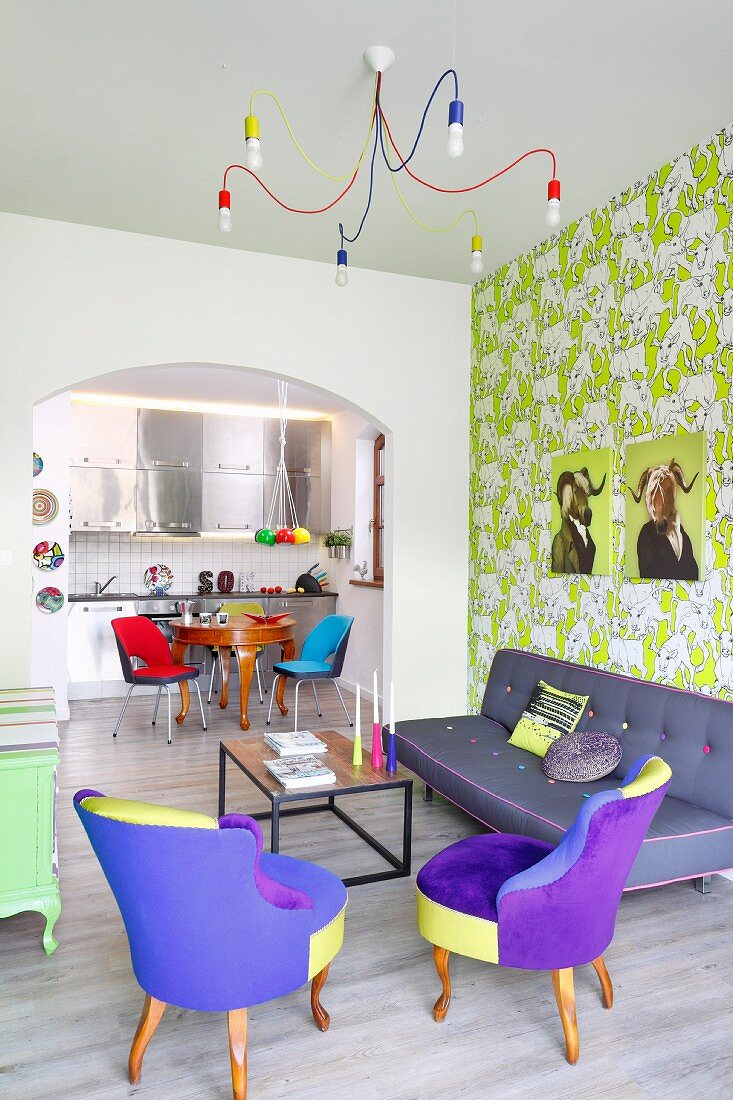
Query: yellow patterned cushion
{"x": 146, "y": 813}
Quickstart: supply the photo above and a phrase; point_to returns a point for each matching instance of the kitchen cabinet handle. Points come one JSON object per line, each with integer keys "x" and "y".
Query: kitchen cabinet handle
{"x": 233, "y": 527}
{"x": 103, "y": 461}
{"x": 105, "y": 609}
{"x": 152, "y": 525}
{"x": 299, "y": 469}
{"x": 101, "y": 523}
{"x": 231, "y": 466}
{"x": 177, "y": 465}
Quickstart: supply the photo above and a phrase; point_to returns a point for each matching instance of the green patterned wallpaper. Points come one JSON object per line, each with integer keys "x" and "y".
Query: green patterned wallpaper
{"x": 618, "y": 328}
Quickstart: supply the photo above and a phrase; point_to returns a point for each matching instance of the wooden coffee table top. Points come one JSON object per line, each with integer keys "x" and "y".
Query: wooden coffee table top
{"x": 249, "y": 755}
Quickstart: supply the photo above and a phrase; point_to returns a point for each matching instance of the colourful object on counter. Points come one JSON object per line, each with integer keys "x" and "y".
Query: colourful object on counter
{"x": 225, "y": 581}
{"x": 48, "y": 556}
{"x": 263, "y": 589}
{"x": 159, "y": 578}
{"x": 300, "y": 536}
{"x": 49, "y": 600}
{"x": 206, "y": 583}
{"x": 45, "y": 506}
{"x": 278, "y": 588}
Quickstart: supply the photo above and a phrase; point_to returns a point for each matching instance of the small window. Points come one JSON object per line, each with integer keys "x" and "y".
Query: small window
{"x": 378, "y": 527}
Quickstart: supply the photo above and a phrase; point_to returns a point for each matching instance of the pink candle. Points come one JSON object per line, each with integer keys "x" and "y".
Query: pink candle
{"x": 377, "y": 758}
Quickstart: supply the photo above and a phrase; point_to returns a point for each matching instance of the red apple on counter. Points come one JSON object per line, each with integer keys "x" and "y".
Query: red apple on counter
{"x": 271, "y": 591}
{"x": 278, "y": 588}
{"x": 263, "y": 589}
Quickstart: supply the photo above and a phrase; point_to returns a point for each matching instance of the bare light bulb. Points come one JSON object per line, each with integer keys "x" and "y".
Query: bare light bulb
{"x": 225, "y": 220}
{"x": 455, "y": 140}
{"x": 552, "y": 217}
{"x": 342, "y": 270}
{"x": 477, "y": 263}
{"x": 253, "y": 154}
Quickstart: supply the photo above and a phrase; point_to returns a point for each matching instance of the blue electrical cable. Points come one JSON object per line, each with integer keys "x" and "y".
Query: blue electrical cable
{"x": 377, "y": 138}
{"x": 448, "y": 72}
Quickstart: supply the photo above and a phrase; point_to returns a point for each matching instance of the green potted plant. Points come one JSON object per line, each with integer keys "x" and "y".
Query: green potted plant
{"x": 338, "y": 544}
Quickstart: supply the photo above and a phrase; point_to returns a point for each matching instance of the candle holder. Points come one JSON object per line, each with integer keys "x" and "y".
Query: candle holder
{"x": 391, "y": 751}
{"x": 356, "y": 759}
{"x": 377, "y": 757}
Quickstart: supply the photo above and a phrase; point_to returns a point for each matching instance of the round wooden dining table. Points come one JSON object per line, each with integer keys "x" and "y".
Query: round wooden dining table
{"x": 243, "y": 636}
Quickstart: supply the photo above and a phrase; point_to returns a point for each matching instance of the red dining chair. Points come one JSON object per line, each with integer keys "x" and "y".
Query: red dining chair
{"x": 138, "y": 637}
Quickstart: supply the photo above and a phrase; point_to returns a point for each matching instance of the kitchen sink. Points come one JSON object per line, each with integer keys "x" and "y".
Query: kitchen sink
{"x": 107, "y": 595}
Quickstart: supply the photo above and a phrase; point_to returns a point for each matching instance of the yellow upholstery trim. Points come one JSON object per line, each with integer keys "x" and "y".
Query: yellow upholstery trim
{"x": 652, "y": 776}
{"x": 326, "y": 943}
{"x": 472, "y": 936}
{"x": 146, "y": 813}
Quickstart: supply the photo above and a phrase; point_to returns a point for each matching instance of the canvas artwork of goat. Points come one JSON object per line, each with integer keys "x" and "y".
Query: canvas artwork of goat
{"x": 663, "y": 546}
{"x": 573, "y": 549}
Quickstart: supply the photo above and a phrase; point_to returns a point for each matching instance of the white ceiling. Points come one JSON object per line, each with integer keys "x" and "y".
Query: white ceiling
{"x": 196, "y": 383}
{"x": 125, "y": 115}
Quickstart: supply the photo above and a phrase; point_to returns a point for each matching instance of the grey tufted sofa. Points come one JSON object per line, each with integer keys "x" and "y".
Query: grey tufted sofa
{"x": 467, "y": 759}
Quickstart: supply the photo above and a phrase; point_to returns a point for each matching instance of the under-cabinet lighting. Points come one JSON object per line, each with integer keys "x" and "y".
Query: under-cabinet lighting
{"x": 173, "y": 405}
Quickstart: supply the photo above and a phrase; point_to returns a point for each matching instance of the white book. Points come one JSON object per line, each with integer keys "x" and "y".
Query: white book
{"x": 300, "y": 771}
{"x": 295, "y": 744}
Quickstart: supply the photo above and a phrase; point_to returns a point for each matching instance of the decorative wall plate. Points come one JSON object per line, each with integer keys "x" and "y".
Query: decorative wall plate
{"x": 49, "y": 600}
{"x": 45, "y": 506}
{"x": 48, "y": 555}
{"x": 37, "y": 464}
{"x": 158, "y": 579}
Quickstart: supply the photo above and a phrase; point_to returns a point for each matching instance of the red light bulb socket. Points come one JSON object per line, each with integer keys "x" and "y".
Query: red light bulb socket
{"x": 553, "y": 190}
{"x": 225, "y": 200}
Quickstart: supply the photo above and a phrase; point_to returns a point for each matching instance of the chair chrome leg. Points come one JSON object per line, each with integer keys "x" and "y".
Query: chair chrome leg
{"x": 272, "y": 696}
{"x": 259, "y": 679}
{"x": 201, "y": 705}
{"x": 157, "y": 703}
{"x": 124, "y": 708}
{"x": 214, "y": 659}
{"x": 315, "y": 696}
{"x": 343, "y": 704}
{"x": 170, "y": 738}
{"x": 297, "y": 685}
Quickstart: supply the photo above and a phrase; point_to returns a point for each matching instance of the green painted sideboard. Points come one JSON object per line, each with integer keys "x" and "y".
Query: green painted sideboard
{"x": 29, "y": 756}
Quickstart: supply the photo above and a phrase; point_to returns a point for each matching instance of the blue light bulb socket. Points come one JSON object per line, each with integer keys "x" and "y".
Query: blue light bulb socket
{"x": 341, "y": 257}
{"x": 455, "y": 112}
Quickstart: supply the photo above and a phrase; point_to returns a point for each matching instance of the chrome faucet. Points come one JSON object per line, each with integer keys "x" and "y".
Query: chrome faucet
{"x": 99, "y": 588}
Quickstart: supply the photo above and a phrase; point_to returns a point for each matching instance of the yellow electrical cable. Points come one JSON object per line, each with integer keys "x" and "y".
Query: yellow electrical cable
{"x": 421, "y": 224}
{"x": 299, "y": 147}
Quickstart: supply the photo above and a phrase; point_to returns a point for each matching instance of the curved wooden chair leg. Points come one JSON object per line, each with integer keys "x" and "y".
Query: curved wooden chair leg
{"x": 606, "y": 987}
{"x": 442, "y": 960}
{"x": 319, "y": 1013}
{"x": 151, "y": 1016}
{"x": 237, "y": 1024}
{"x": 562, "y": 983}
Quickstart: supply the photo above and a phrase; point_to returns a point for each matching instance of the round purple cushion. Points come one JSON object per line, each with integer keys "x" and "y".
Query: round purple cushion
{"x": 467, "y": 875}
{"x": 582, "y": 756}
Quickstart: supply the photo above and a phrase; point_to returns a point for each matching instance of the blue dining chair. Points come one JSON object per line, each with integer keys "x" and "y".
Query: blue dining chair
{"x": 329, "y": 639}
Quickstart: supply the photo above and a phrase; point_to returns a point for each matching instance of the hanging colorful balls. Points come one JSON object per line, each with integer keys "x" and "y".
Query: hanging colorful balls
{"x": 284, "y": 535}
{"x": 265, "y": 536}
{"x": 300, "y": 535}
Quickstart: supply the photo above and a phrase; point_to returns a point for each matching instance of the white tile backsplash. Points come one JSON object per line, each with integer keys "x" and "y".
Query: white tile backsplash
{"x": 97, "y": 557}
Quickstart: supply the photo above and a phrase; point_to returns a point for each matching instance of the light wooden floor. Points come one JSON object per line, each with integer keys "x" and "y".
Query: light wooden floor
{"x": 66, "y": 1022}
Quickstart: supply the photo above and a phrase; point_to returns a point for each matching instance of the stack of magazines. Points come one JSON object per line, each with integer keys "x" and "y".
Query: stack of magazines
{"x": 295, "y": 744}
{"x": 300, "y": 771}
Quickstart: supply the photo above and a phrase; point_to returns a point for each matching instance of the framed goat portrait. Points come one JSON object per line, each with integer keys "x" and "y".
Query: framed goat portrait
{"x": 581, "y": 512}
{"x": 665, "y": 487}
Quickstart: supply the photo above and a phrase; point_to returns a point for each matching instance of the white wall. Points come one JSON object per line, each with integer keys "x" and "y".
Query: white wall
{"x": 77, "y": 301}
{"x": 365, "y": 604}
{"x": 51, "y": 421}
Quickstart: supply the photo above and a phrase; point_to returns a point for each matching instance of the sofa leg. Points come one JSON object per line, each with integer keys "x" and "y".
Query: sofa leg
{"x": 428, "y": 796}
{"x": 704, "y": 885}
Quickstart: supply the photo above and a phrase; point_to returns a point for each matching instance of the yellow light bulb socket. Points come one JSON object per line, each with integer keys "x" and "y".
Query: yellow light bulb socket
{"x": 477, "y": 244}
{"x": 251, "y": 126}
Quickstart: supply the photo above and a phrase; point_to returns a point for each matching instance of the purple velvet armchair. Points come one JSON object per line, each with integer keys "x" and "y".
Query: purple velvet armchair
{"x": 213, "y": 923}
{"x": 519, "y": 902}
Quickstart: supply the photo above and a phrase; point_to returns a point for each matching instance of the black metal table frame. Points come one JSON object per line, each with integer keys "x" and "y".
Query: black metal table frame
{"x": 401, "y": 866}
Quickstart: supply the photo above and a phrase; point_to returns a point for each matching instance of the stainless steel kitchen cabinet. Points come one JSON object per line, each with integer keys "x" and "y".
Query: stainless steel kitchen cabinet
{"x": 232, "y": 502}
{"x": 103, "y": 435}
{"x": 102, "y": 499}
{"x": 169, "y": 502}
{"x": 307, "y": 449}
{"x": 233, "y": 444}
{"x": 169, "y": 440}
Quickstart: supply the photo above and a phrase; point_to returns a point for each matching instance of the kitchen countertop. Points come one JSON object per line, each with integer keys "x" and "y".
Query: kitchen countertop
{"x": 255, "y": 597}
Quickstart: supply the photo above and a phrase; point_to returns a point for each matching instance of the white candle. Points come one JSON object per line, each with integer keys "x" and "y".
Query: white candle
{"x": 376, "y": 700}
{"x": 391, "y": 706}
{"x": 357, "y": 720}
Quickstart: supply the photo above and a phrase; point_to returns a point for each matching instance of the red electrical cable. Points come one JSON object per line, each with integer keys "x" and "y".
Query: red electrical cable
{"x": 295, "y": 209}
{"x": 475, "y": 186}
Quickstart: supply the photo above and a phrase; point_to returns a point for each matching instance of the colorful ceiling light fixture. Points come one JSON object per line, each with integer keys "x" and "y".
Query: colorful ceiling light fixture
{"x": 379, "y": 59}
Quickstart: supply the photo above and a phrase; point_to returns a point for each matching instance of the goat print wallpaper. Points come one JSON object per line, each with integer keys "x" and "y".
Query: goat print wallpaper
{"x": 616, "y": 331}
